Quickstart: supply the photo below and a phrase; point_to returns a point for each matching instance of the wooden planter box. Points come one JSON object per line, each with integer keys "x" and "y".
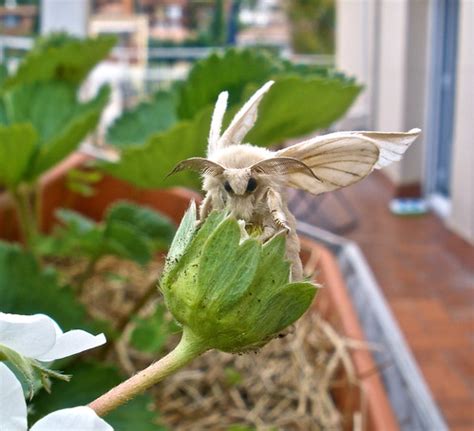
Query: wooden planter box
{"x": 332, "y": 302}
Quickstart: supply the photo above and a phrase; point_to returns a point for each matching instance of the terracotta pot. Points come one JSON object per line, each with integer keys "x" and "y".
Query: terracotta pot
{"x": 332, "y": 302}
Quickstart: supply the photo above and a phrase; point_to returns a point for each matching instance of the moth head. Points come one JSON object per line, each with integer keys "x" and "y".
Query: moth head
{"x": 239, "y": 182}
{"x": 243, "y": 182}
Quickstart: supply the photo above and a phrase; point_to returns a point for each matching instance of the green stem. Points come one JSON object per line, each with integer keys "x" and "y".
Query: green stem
{"x": 188, "y": 349}
{"x": 38, "y": 205}
{"x": 25, "y": 216}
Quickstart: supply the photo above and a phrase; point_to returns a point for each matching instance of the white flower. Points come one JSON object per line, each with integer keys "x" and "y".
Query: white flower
{"x": 39, "y": 337}
{"x": 13, "y": 411}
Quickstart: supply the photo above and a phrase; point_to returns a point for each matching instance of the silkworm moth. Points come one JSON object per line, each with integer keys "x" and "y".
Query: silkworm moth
{"x": 249, "y": 181}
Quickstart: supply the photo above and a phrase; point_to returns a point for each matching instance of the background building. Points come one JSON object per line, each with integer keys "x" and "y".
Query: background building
{"x": 416, "y": 59}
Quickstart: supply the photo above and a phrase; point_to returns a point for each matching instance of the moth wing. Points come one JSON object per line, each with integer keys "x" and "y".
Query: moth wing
{"x": 392, "y": 145}
{"x": 335, "y": 161}
{"x": 344, "y": 158}
{"x": 244, "y": 119}
{"x": 216, "y": 122}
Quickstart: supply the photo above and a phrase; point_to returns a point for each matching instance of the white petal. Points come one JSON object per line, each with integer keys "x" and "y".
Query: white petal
{"x": 31, "y": 336}
{"x": 72, "y": 342}
{"x": 12, "y": 402}
{"x": 74, "y": 419}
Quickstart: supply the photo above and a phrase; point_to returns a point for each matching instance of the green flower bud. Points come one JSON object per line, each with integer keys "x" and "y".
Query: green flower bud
{"x": 231, "y": 294}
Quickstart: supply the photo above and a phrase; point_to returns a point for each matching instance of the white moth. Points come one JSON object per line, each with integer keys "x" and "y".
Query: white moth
{"x": 249, "y": 181}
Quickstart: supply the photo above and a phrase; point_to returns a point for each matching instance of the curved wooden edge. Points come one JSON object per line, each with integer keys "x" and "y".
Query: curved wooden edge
{"x": 380, "y": 412}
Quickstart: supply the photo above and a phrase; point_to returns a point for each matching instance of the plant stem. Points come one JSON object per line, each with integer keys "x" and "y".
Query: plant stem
{"x": 124, "y": 321}
{"x": 25, "y": 216}
{"x": 88, "y": 272}
{"x": 187, "y": 349}
{"x": 149, "y": 292}
{"x": 38, "y": 205}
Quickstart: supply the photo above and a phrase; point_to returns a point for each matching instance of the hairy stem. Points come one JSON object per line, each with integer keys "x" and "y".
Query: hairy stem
{"x": 188, "y": 348}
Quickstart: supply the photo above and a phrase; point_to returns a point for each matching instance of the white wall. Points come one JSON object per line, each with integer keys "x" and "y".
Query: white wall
{"x": 462, "y": 181}
{"x": 71, "y": 16}
{"x": 354, "y": 55}
{"x": 384, "y": 44}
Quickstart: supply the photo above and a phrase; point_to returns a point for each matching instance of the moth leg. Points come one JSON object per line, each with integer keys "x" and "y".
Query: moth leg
{"x": 268, "y": 232}
{"x": 276, "y": 207}
{"x": 205, "y": 208}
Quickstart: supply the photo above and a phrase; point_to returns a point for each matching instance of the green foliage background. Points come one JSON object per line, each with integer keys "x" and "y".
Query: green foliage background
{"x": 303, "y": 99}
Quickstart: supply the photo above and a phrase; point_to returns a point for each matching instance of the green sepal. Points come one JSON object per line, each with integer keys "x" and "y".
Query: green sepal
{"x": 233, "y": 295}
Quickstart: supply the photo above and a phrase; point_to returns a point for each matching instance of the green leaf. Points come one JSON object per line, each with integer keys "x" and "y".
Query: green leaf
{"x": 230, "y": 72}
{"x": 17, "y": 146}
{"x": 128, "y": 230}
{"x": 122, "y": 239}
{"x": 134, "y": 127}
{"x": 295, "y": 106}
{"x": 77, "y": 236}
{"x": 82, "y": 121}
{"x": 147, "y": 165}
{"x": 61, "y": 57}
{"x": 89, "y": 381}
{"x": 76, "y": 221}
{"x": 158, "y": 228}
{"x": 59, "y": 120}
{"x": 26, "y": 289}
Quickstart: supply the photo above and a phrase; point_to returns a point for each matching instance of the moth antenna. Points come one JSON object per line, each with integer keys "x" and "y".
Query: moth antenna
{"x": 198, "y": 164}
{"x": 216, "y": 122}
{"x": 244, "y": 119}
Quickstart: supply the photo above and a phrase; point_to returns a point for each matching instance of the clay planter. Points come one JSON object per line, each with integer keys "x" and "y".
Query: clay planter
{"x": 332, "y": 301}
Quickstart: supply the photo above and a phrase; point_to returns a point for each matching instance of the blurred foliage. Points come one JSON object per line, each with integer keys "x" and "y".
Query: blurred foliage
{"x": 304, "y": 98}
{"x": 25, "y": 288}
{"x": 231, "y": 72}
{"x": 312, "y": 103}
{"x": 149, "y": 117}
{"x": 151, "y": 333}
{"x": 312, "y": 25}
{"x": 46, "y": 123}
{"x": 60, "y": 57}
{"x": 39, "y": 107}
{"x": 147, "y": 165}
{"x": 128, "y": 231}
{"x": 89, "y": 381}
{"x": 82, "y": 182}
{"x": 16, "y": 149}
